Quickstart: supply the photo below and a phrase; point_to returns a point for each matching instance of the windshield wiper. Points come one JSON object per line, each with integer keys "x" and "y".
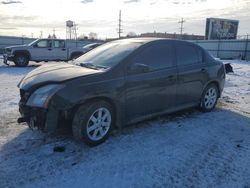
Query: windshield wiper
{"x": 92, "y": 66}
{"x": 87, "y": 65}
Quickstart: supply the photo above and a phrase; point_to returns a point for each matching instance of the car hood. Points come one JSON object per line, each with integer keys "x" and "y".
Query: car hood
{"x": 54, "y": 73}
{"x": 17, "y": 46}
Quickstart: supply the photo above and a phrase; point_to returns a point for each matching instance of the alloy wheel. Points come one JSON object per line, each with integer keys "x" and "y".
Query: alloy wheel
{"x": 210, "y": 98}
{"x": 99, "y": 124}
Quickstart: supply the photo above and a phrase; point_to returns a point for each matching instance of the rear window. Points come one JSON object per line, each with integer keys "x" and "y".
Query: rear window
{"x": 188, "y": 54}
{"x": 156, "y": 56}
{"x": 59, "y": 44}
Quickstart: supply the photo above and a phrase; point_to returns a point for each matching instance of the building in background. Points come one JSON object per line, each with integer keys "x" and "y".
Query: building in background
{"x": 217, "y": 29}
{"x": 173, "y": 36}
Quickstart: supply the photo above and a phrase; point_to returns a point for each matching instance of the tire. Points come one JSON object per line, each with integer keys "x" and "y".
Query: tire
{"x": 21, "y": 60}
{"x": 209, "y": 98}
{"x": 93, "y": 123}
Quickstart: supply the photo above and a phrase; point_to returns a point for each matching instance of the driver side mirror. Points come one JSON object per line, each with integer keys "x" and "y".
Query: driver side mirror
{"x": 138, "y": 68}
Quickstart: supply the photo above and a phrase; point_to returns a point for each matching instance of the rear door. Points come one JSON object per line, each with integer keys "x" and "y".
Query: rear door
{"x": 150, "y": 81}
{"x": 191, "y": 73}
{"x": 59, "y": 50}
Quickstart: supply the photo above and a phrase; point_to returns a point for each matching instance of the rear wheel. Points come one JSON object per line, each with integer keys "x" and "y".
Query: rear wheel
{"x": 93, "y": 122}
{"x": 209, "y": 98}
{"x": 21, "y": 60}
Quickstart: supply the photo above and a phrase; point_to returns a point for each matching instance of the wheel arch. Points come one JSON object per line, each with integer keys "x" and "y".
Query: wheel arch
{"x": 25, "y": 52}
{"x": 213, "y": 82}
{"x": 109, "y": 100}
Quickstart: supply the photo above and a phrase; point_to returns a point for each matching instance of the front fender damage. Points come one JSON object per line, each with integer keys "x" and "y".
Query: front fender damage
{"x": 58, "y": 114}
{"x": 47, "y": 120}
{"x": 52, "y": 119}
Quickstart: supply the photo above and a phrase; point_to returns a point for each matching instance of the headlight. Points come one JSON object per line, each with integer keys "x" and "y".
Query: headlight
{"x": 41, "y": 97}
{"x": 8, "y": 51}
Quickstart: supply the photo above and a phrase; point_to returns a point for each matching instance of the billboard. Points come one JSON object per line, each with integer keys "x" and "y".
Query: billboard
{"x": 217, "y": 28}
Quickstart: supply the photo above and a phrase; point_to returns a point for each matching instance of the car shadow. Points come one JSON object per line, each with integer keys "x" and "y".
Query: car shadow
{"x": 13, "y": 70}
{"x": 33, "y": 156}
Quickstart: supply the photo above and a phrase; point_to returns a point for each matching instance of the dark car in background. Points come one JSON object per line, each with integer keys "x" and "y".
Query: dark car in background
{"x": 120, "y": 83}
{"x": 91, "y": 46}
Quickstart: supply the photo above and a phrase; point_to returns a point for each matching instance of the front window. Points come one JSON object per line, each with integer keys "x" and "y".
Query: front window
{"x": 43, "y": 44}
{"x": 108, "y": 55}
{"x": 33, "y": 42}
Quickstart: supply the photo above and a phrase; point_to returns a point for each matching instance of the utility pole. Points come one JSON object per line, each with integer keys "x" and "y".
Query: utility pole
{"x": 181, "y": 28}
{"x": 119, "y": 24}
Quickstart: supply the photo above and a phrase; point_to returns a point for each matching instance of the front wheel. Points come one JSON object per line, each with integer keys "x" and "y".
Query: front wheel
{"x": 93, "y": 122}
{"x": 21, "y": 60}
{"x": 209, "y": 98}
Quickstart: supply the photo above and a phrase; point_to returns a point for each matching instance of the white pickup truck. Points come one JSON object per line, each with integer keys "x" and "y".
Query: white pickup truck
{"x": 41, "y": 50}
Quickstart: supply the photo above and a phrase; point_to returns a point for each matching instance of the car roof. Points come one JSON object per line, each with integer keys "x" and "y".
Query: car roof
{"x": 139, "y": 39}
{"x": 92, "y": 44}
{"x": 145, "y": 40}
{"x": 149, "y": 39}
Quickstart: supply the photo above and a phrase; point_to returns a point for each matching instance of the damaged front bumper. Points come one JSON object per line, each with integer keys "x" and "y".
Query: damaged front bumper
{"x": 48, "y": 114}
{"x": 39, "y": 118}
{"x": 7, "y": 58}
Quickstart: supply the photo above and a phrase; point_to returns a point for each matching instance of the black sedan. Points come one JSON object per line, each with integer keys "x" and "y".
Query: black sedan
{"x": 120, "y": 83}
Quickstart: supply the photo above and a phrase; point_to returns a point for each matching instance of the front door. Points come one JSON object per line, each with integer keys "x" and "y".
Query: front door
{"x": 42, "y": 50}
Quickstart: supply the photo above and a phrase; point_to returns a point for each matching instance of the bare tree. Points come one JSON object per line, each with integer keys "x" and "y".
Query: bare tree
{"x": 83, "y": 36}
{"x": 131, "y": 34}
{"x": 92, "y": 35}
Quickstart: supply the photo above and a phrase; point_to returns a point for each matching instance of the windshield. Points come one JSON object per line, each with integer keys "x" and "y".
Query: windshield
{"x": 107, "y": 55}
{"x": 30, "y": 44}
{"x": 91, "y": 45}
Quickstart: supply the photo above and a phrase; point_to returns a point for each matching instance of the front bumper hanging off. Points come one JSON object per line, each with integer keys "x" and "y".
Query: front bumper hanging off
{"x": 5, "y": 59}
{"x": 38, "y": 118}
{"x": 35, "y": 118}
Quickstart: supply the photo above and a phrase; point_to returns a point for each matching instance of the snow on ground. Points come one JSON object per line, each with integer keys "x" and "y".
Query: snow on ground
{"x": 186, "y": 149}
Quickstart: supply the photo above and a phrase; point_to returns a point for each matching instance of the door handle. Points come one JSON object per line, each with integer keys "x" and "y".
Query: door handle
{"x": 203, "y": 70}
{"x": 63, "y": 49}
{"x": 171, "y": 78}
{"x": 49, "y": 49}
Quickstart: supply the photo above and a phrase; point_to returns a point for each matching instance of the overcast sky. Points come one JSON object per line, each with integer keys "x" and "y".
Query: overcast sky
{"x": 27, "y": 17}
